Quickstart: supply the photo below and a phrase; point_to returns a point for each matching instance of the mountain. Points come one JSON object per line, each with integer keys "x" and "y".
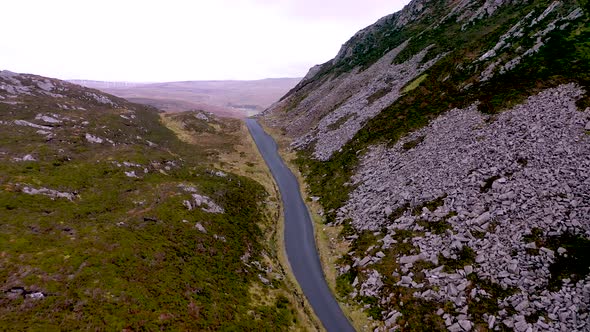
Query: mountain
{"x": 237, "y": 99}
{"x": 449, "y": 145}
{"x": 116, "y": 216}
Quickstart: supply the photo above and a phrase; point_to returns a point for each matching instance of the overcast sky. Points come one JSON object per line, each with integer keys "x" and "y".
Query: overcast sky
{"x": 149, "y": 40}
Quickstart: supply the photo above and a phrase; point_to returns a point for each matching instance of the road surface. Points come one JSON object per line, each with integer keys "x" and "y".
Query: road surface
{"x": 299, "y": 237}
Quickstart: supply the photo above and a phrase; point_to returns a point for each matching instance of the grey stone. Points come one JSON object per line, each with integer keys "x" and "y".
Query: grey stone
{"x": 388, "y": 211}
{"x": 521, "y": 326}
{"x": 480, "y": 259}
{"x": 455, "y": 328}
{"x": 549, "y": 252}
{"x": 391, "y": 320}
{"x": 409, "y": 259}
{"x": 363, "y": 262}
{"x": 463, "y": 286}
{"x": 460, "y": 152}
{"x": 522, "y": 305}
{"x": 263, "y": 280}
{"x": 513, "y": 268}
{"x": 483, "y": 218}
{"x": 47, "y": 119}
{"x": 36, "y": 295}
{"x": 466, "y": 325}
{"x": 468, "y": 269}
{"x": 200, "y": 228}
{"x": 564, "y": 316}
{"x": 48, "y": 192}
{"x": 93, "y": 139}
{"x": 406, "y": 280}
{"x": 491, "y": 321}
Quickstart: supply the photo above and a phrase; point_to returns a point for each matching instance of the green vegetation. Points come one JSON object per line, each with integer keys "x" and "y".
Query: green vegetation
{"x": 344, "y": 284}
{"x": 413, "y": 143}
{"x": 438, "y": 227}
{"x": 404, "y": 244}
{"x": 465, "y": 256}
{"x": 574, "y": 264}
{"x": 398, "y": 212}
{"x": 365, "y": 241}
{"x": 124, "y": 253}
{"x": 378, "y": 95}
{"x": 340, "y": 122}
{"x": 430, "y": 205}
{"x": 486, "y": 304}
{"x": 418, "y": 314}
{"x": 415, "y": 83}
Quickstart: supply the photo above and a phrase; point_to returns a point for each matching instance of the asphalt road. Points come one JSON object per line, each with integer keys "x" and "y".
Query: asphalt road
{"x": 299, "y": 237}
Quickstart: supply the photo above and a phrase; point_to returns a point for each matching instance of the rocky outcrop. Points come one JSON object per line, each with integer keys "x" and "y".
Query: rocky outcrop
{"x": 53, "y": 194}
{"x": 205, "y": 203}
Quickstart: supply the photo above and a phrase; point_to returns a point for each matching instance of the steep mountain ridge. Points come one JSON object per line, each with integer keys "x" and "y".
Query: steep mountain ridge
{"x": 449, "y": 143}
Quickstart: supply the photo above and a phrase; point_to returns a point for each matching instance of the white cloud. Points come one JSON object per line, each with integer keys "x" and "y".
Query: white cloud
{"x": 179, "y": 39}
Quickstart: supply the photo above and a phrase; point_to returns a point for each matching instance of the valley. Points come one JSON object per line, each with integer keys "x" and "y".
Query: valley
{"x": 433, "y": 176}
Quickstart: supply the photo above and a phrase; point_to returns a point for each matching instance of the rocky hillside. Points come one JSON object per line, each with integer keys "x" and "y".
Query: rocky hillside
{"x": 109, "y": 221}
{"x": 450, "y": 143}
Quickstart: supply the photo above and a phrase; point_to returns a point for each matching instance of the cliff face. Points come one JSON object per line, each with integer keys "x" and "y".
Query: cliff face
{"x": 451, "y": 141}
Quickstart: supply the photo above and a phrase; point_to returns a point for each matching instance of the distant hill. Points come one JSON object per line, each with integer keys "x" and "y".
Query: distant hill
{"x": 226, "y": 98}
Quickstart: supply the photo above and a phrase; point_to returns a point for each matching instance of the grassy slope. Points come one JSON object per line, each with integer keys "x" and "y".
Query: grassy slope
{"x": 120, "y": 256}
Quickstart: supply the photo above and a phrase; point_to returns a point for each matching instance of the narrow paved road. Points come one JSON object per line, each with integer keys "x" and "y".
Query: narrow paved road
{"x": 299, "y": 237}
